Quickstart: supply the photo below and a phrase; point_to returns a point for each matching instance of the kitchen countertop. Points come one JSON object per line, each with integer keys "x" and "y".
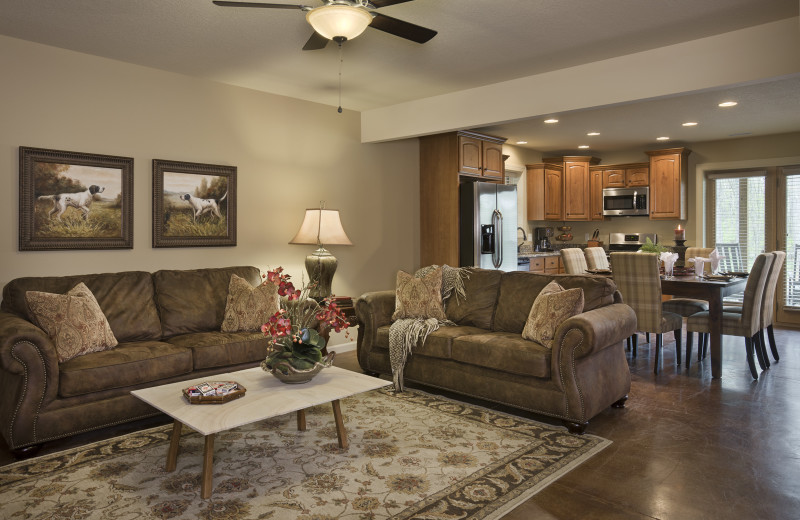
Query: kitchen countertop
{"x": 538, "y": 253}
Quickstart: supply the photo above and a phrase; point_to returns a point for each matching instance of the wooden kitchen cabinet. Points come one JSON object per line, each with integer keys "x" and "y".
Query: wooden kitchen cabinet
{"x": 480, "y": 156}
{"x": 625, "y": 175}
{"x": 546, "y": 264}
{"x": 575, "y": 185}
{"x": 544, "y": 191}
{"x": 637, "y": 176}
{"x": 596, "y": 194}
{"x": 613, "y": 178}
{"x": 443, "y": 160}
{"x": 669, "y": 171}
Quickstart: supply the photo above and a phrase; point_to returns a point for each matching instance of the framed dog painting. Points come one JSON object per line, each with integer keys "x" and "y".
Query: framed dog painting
{"x": 72, "y": 200}
{"x": 193, "y": 204}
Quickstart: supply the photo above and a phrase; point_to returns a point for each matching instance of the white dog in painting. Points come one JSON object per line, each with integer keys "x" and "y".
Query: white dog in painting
{"x": 202, "y": 206}
{"x": 81, "y": 201}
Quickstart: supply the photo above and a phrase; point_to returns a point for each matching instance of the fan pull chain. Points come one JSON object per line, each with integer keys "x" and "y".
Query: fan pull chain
{"x": 341, "y": 60}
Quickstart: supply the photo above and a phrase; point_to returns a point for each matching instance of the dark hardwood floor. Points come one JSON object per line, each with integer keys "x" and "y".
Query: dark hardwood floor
{"x": 685, "y": 447}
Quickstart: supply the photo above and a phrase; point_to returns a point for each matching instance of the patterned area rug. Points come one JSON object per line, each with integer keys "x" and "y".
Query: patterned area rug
{"x": 411, "y": 455}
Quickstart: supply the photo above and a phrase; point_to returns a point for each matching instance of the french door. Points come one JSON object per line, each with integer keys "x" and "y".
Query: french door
{"x": 788, "y": 239}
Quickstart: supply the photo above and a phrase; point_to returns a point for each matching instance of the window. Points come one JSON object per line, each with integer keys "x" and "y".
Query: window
{"x": 737, "y": 217}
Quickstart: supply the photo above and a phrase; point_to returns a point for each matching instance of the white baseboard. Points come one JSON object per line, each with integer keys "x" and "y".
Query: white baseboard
{"x": 343, "y": 347}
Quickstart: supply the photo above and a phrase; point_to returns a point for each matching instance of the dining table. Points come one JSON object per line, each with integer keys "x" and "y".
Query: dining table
{"x": 713, "y": 291}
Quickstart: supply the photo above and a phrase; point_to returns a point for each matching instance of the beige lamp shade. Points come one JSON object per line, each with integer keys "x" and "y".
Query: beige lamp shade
{"x": 343, "y": 21}
{"x": 322, "y": 226}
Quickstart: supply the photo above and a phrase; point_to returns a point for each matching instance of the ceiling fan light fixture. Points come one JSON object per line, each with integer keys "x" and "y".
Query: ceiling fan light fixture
{"x": 339, "y": 21}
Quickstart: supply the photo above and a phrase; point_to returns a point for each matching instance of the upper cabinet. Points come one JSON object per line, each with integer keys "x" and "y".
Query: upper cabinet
{"x": 480, "y": 156}
{"x": 668, "y": 180}
{"x": 625, "y": 175}
{"x": 545, "y": 193}
{"x": 575, "y": 185}
{"x": 444, "y": 161}
{"x": 596, "y": 194}
{"x": 637, "y": 176}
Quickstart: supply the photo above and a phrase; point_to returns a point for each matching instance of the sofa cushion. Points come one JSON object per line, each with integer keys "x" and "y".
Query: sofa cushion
{"x": 477, "y": 310}
{"x": 438, "y": 344}
{"x": 552, "y": 306}
{"x": 74, "y": 321}
{"x": 519, "y": 289}
{"x": 194, "y": 300}
{"x": 126, "y": 365}
{"x": 419, "y": 297}
{"x": 248, "y": 308}
{"x": 503, "y": 351}
{"x": 219, "y": 349}
{"x": 126, "y": 299}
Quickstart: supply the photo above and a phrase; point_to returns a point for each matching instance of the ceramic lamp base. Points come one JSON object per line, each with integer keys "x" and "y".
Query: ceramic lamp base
{"x": 321, "y": 266}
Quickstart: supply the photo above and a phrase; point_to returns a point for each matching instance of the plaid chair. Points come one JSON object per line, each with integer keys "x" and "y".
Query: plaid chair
{"x": 767, "y": 307}
{"x": 701, "y": 252}
{"x": 596, "y": 258}
{"x": 574, "y": 261}
{"x": 746, "y": 323}
{"x": 639, "y": 282}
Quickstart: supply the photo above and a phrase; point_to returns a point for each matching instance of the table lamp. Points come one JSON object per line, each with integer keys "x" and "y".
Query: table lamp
{"x": 321, "y": 226}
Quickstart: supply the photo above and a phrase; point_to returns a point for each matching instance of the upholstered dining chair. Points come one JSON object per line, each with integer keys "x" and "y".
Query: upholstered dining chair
{"x": 745, "y": 323}
{"x": 698, "y": 252}
{"x": 767, "y": 307}
{"x": 573, "y": 260}
{"x": 596, "y": 258}
{"x": 639, "y": 282}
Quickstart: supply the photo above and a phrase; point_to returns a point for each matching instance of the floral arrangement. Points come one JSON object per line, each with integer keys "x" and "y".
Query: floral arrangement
{"x": 292, "y": 327}
{"x": 650, "y": 247}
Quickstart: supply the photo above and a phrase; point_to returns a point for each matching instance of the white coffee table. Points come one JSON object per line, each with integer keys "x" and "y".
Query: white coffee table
{"x": 265, "y": 397}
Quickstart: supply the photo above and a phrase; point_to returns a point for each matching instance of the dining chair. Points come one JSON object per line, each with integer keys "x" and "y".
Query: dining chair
{"x": 767, "y": 306}
{"x": 746, "y": 323}
{"x": 695, "y": 252}
{"x": 573, "y": 260}
{"x": 596, "y": 258}
{"x": 639, "y": 282}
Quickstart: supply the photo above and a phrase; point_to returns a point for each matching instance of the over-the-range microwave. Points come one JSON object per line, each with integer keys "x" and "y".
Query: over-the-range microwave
{"x": 626, "y": 202}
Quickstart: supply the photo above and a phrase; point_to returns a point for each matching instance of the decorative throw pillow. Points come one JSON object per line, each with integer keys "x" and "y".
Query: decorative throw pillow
{"x": 552, "y": 307}
{"x": 419, "y": 297}
{"x": 248, "y": 307}
{"x": 74, "y": 321}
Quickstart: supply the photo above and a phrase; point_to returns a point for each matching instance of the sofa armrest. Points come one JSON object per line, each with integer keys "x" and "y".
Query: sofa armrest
{"x": 373, "y": 310}
{"x": 28, "y": 377}
{"x": 599, "y": 328}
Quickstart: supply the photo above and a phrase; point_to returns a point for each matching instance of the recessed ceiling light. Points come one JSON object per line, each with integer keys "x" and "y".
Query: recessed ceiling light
{"x": 551, "y": 121}
{"x": 583, "y": 146}
{"x": 663, "y": 138}
{"x": 593, "y": 133}
{"x": 728, "y": 104}
{"x": 690, "y": 123}
{"x": 522, "y": 142}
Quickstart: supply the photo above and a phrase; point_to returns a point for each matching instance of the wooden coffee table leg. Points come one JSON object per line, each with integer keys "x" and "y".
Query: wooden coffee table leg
{"x": 301, "y": 420}
{"x": 174, "y": 443}
{"x": 208, "y": 463}
{"x": 340, "y": 431}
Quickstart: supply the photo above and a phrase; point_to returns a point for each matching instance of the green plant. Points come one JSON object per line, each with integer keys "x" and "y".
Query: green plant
{"x": 650, "y": 247}
{"x": 301, "y": 351}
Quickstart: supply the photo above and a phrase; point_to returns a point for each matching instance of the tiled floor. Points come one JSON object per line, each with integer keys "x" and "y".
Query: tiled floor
{"x": 685, "y": 447}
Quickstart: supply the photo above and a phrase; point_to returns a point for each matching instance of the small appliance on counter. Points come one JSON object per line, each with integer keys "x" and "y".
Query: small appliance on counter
{"x": 629, "y": 241}
{"x": 541, "y": 239}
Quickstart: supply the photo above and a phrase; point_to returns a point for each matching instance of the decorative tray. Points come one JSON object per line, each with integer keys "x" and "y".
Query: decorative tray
{"x": 214, "y": 392}
{"x": 717, "y": 277}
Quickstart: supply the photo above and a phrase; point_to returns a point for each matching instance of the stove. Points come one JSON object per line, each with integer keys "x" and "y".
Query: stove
{"x": 629, "y": 241}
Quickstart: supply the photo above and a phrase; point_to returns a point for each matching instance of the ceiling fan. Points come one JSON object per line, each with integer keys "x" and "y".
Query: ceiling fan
{"x": 341, "y": 20}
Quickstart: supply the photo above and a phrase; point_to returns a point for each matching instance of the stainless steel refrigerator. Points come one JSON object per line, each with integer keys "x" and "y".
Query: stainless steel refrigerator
{"x": 488, "y": 225}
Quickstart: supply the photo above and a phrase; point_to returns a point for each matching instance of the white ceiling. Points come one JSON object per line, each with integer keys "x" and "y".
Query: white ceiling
{"x": 480, "y": 42}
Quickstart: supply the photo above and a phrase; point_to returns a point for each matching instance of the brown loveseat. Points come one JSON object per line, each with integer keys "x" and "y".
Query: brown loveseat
{"x": 168, "y": 327}
{"x": 582, "y": 371}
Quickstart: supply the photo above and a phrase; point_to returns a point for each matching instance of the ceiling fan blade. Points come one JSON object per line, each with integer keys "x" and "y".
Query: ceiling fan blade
{"x": 224, "y": 3}
{"x": 384, "y": 3}
{"x": 407, "y": 30}
{"x": 316, "y": 42}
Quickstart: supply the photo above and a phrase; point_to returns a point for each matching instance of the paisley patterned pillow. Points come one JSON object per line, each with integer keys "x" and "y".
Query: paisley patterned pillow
{"x": 419, "y": 297}
{"x": 74, "y": 321}
{"x": 552, "y": 307}
{"x": 248, "y": 307}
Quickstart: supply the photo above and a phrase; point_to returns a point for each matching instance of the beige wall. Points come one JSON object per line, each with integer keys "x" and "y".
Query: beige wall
{"x": 290, "y": 155}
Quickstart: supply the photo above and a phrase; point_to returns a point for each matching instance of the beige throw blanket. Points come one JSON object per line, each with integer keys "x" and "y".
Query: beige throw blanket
{"x": 406, "y": 333}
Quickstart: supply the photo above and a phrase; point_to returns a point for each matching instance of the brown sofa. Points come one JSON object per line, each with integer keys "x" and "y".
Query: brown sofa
{"x": 168, "y": 327}
{"x": 484, "y": 355}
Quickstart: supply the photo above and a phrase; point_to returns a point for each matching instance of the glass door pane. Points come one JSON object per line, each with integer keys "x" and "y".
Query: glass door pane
{"x": 791, "y": 222}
